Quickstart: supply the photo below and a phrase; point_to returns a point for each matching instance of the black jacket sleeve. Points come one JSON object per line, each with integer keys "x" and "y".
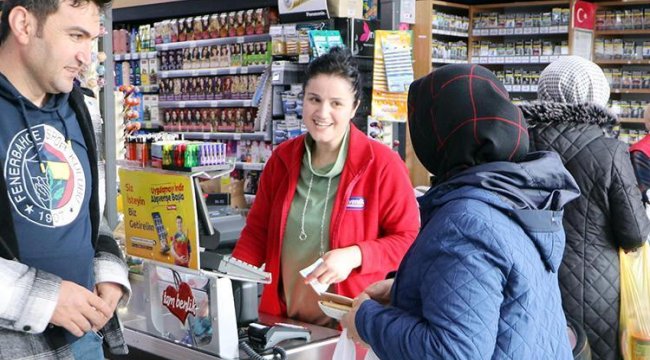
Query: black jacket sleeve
{"x": 629, "y": 220}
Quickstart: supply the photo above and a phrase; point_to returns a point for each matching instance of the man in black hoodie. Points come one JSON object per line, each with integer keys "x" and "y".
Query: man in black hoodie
{"x": 62, "y": 277}
{"x": 609, "y": 214}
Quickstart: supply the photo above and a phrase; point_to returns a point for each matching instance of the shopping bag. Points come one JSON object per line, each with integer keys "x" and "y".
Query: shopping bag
{"x": 635, "y": 303}
{"x": 346, "y": 350}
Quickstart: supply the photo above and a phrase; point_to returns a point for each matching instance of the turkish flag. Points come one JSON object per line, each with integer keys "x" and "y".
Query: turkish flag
{"x": 584, "y": 15}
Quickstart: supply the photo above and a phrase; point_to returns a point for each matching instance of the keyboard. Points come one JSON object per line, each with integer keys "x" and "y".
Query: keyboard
{"x": 231, "y": 266}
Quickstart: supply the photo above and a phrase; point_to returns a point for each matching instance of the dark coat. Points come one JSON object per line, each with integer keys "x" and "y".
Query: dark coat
{"x": 608, "y": 215}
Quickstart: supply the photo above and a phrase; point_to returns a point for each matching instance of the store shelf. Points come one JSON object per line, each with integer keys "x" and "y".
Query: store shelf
{"x": 619, "y": 3}
{"x": 548, "y": 30}
{"x": 448, "y": 61}
{"x": 505, "y": 5}
{"x": 622, "y": 32}
{"x": 631, "y": 120}
{"x": 449, "y": 33}
{"x": 210, "y": 42}
{"x": 630, "y": 91}
{"x": 504, "y": 60}
{"x": 623, "y": 62}
{"x": 135, "y": 56}
{"x": 204, "y": 104}
{"x": 521, "y": 88}
{"x": 139, "y": 10}
{"x": 450, "y": 5}
{"x": 235, "y": 70}
{"x": 261, "y": 136}
{"x": 145, "y": 89}
{"x": 249, "y": 166}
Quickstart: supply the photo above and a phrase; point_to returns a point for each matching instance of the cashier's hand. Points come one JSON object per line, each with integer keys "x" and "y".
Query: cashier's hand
{"x": 79, "y": 310}
{"x": 380, "y": 291}
{"x": 347, "y": 321}
{"x": 337, "y": 265}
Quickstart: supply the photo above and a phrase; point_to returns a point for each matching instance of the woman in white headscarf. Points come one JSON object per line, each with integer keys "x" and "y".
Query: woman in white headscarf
{"x": 570, "y": 120}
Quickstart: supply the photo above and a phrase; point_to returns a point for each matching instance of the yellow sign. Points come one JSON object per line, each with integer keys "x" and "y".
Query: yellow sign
{"x": 388, "y": 106}
{"x": 160, "y": 217}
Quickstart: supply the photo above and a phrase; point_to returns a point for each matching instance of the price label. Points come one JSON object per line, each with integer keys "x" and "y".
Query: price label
{"x": 543, "y": 59}
{"x": 181, "y": 104}
{"x": 232, "y": 71}
{"x": 243, "y": 70}
{"x": 502, "y": 31}
{"x": 214, "y": 103}
{"x": 510, "y": 31}
{"x": 236, "y": 136}
{"x": 214, "y": 72}
{"x": 194, "y": 73}
{"x": 516, "y": 88}
{"x": 127, "y": 56}
{"x": 303, "y": 59}
{"x": 165, "y": 47}
{"x": 525, "y": 88}
{"x": 192, "y": 44}
{"x": 240, "y": 39}
{"x": 519, "y": 31}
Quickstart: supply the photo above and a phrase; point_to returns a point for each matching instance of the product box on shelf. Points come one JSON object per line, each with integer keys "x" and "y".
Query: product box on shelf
{"x": 345, "y": 8}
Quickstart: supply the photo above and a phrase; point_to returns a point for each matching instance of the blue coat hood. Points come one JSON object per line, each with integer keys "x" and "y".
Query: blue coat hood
{"x": 532, "y": 192}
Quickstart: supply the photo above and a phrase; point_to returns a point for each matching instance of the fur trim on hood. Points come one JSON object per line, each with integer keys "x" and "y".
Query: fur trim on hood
{"x": 552, "y": 112}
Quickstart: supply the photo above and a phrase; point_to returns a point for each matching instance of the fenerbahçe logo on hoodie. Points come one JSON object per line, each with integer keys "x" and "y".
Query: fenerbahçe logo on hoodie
{"x": 48, "y": 199}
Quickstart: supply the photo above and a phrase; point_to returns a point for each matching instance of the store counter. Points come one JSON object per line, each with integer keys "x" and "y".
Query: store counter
{"x": 320, "y": 347}
{"x": 183, "y": 314}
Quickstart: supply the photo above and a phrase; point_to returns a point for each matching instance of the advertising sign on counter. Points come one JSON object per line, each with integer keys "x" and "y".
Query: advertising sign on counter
{"x": 160, "y": 217}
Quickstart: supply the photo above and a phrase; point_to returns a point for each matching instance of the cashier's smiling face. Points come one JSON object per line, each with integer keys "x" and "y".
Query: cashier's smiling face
{"x": 328, "y": 107}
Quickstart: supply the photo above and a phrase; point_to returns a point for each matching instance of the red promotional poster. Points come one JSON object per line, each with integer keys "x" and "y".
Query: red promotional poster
{"x": 584, "y": 15}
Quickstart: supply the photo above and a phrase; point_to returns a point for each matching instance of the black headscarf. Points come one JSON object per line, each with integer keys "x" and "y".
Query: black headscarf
{"x": 460, "y": 116}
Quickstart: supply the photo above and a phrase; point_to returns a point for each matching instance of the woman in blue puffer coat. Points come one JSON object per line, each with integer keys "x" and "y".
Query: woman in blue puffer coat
{"x": 480, "y": 281}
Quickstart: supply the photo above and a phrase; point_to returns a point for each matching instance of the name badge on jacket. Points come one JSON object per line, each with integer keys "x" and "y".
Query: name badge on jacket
{"x": 356, "y": 203}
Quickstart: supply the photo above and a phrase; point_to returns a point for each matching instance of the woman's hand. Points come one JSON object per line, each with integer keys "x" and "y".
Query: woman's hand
{"x": 337, "y": 265}
{"x": 380, "y": 291}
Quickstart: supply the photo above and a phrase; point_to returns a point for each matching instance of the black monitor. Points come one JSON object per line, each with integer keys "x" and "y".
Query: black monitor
{"x": 217, "y": 228}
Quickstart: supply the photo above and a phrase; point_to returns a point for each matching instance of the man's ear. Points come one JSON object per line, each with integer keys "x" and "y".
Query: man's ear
{"x": 23, "y": 24}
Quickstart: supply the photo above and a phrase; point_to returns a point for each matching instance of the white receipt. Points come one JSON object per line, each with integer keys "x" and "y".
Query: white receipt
{"x": 315, "y": 284}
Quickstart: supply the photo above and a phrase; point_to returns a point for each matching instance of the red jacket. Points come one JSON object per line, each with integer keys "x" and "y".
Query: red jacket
{"x": 373, "y": 177}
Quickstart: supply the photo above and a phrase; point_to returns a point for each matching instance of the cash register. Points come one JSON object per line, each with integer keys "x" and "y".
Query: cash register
{"x": 219, "y": 229}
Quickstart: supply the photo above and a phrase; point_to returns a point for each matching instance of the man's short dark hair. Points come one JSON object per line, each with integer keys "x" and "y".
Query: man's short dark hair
{"x": 41, "y": 10}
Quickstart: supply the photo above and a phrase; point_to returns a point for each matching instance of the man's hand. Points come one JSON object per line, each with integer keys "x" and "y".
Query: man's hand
{"x": 347, "y": 321}
{"x": 78, "y": 310}
{"x": 380, "y": 291}
{"x": 111, "y": 293}
{"x": 337, "y": 265}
